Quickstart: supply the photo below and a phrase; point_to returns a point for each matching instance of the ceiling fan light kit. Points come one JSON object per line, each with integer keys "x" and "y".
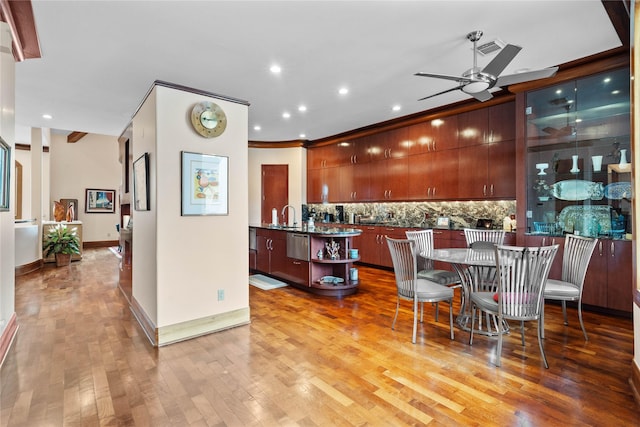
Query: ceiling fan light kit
{"x": 477, "y": 82}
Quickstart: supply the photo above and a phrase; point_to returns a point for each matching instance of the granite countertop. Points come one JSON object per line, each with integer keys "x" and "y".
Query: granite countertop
{"x": 323, "y": 229}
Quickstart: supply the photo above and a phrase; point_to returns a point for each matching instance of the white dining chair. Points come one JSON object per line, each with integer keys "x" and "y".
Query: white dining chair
{"x": 412, "y": 288}
{"x": 522, "y": 273}
{"x": 575, "y": 260}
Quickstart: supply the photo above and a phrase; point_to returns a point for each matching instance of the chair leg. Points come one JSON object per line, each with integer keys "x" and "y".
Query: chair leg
{"x": 473, "y": 323}
{"x": 584, "y": 331}
{"x": 451, "y": 317}
{"x": 564, "y": 312}
{"x": 544, "y": 357}
{"x": 542, "y": 317}
{"x": 499, "y": 350}
{"x": 522, "y": 331}
{"x": 393, "y": 325}
{"x": 437, "y": 312}
{"x": 415, "y": 320}
{"x": 421, "y": 312}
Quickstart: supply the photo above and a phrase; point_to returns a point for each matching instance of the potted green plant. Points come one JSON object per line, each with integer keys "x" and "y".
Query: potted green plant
{"x": 62, "y": 242}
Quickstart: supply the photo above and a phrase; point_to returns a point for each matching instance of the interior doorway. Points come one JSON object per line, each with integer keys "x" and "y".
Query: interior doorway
{"x": 275, "y": 191}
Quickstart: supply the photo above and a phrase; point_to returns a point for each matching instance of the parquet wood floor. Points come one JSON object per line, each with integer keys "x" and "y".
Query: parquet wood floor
{"x": 80, "y": 359}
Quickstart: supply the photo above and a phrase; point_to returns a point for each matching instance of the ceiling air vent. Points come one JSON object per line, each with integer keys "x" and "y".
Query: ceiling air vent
{"x": 490, "y": 47}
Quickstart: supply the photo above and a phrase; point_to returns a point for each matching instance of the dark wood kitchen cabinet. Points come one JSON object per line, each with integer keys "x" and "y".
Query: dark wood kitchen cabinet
{"x": 487, "y": 125}
{"x": 271, "y": 251}
{"x": 388, "y": 179}
{"x": 487, "y": 171}
{"x": 608, "y": 282}
{"x": 433, "y": 175}
{"x": 354, "y": 183}
{"x": 433, "y": 135}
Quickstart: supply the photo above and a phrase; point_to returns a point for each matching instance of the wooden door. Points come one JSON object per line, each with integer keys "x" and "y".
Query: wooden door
{"x": 275, "y": 190}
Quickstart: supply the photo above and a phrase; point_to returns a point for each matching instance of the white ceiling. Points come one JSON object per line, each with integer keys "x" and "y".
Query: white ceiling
{"x": 100, "y": 58}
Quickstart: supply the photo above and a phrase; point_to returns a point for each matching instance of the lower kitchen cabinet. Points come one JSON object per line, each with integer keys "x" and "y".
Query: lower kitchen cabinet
{"x": 373, "y": 246}
{"x": 271, "y": 251}
{"x": 608, "y": 282}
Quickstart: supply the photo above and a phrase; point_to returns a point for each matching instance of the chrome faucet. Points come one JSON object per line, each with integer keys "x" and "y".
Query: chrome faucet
{"x": 295, "y": 224}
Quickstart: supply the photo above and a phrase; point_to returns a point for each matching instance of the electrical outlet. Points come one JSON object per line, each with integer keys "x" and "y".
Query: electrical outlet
{"x": 220, "y": 294}
{"x": 529, "y": 214}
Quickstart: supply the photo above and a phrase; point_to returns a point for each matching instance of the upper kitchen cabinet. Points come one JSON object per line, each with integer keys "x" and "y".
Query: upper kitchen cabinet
{"x": 392, "y": 144}
{"x": 322, "y": 157}
{"x": 578, "y": 156}
{"x": 351, "y": 152}
{"x": 433, "y": 135}
{"x": 487, "y": 125}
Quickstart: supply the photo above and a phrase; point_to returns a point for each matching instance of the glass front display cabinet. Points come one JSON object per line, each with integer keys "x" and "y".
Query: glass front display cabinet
{"x": 578, "y": 157}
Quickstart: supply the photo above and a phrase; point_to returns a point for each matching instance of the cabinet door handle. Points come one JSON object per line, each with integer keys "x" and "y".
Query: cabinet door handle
{"x": 434, "y": 191}
{"x": 492, "y": 189}
{"x": 613, "y": 250}
{"x": 428, "y": 191}
{"x": 544, "y": 241}
{"x": 389, "y": 152}
{"x": 297, "y": 263}
{"x": 484, "y": 190}
{"x": 600, "y": 247}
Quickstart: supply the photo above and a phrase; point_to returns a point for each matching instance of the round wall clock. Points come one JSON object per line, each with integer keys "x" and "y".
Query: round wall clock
{"x": 208, "y": 119}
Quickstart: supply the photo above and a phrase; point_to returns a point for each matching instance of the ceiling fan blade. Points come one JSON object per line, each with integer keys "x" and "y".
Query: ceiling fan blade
{"x": 502, "y": 59}
{"x": 485, "y": 95}
{"x": 512, "y": 79}
{"x": 440, "y": 93}
{"x": 442, "y": 76}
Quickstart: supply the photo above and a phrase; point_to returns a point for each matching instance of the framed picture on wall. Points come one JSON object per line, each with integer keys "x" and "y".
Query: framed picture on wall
{"x": 141, "y": 183}
{"x": 204, "y": 184}
{"x": 5, "y": 174}
{"x": 99, "y": 201}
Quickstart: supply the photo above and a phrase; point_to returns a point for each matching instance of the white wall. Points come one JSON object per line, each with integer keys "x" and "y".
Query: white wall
{"x": 296, "y": 158}
{"x": 7, "y": 236}
{"x": 92, "y": 162}
{"x": 188, "y": 259}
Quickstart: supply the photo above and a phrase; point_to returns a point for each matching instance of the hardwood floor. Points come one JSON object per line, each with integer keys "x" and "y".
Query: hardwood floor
{"x": 80, "y": 359}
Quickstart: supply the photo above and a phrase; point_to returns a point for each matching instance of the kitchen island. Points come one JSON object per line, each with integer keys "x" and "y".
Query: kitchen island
{"x": 302, "y": 257}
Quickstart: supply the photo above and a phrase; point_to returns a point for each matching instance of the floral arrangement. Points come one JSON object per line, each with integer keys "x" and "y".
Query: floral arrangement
{"x": 333, "y": 249}
{"x": 543, "y": 189}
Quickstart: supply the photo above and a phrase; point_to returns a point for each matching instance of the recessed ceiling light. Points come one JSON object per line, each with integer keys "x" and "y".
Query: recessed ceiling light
{"x": 302, "y": 135}
{"x": 396, "y": 108}
{"x": 257, "y": 127}
{"x": 275, "y": 69}
{"x": 47, "y": 116}
{"x": 286, "y": 115}
{"x": 343, "y": 91}
{"x": 559, "y": 91}
{"x": 302, "y": 108}
{"x": 615, "y": 92}
{"x": 607, "y": 80}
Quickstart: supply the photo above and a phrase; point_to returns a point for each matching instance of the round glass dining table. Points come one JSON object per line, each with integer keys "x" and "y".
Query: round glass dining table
{"x": 477, "y": 271}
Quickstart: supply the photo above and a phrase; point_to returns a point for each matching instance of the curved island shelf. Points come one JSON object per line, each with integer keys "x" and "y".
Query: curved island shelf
{"x": 293, "y": 255}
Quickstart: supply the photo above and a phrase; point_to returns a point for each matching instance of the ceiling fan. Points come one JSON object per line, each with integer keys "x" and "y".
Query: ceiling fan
{"x": 477, "y": 82}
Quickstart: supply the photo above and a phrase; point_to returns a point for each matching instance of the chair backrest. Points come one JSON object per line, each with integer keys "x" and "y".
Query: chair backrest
{"x": 522, "y": 273}
{"x": 403, "y": 255}
{"x": 424, "y": 244}
{"x": 478, "y": 235}
{"x": 575, "y": 259}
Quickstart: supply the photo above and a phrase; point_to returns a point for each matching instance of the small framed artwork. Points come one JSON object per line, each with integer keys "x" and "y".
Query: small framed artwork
{"x": 5, "y": 174}
{"x": 442, "y": 222}
{"x": 204, "y": 184}
{"x": 141, "y": 183}
{"x": 99, "y": 201}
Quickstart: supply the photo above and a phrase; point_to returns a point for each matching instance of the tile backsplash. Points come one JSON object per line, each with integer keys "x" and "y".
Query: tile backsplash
{"x": 423, "y": 214}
